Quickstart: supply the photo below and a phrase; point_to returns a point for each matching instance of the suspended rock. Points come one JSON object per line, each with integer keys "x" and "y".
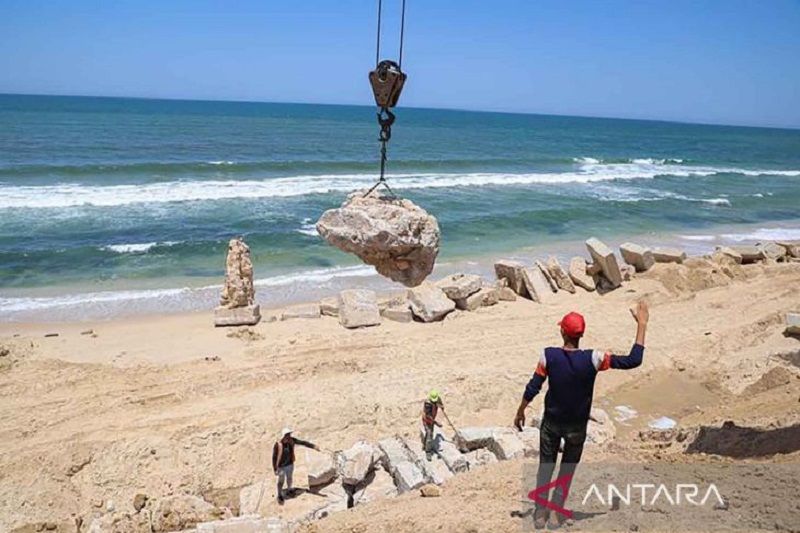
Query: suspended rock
{"x": 397, "y": 237}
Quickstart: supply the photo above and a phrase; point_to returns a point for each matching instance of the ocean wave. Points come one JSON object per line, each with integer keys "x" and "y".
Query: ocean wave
{"x": 137, "y": 248}
{"x": 75, "y": 195}
{"x": 15, "y": 305}
{"x": 764, "y": 234}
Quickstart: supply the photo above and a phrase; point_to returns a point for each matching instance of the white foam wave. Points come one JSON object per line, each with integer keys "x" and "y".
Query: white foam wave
{"x": 221, "y": 162}
{"x": 14, "y": 305}
{"x": 308, "y": 229}
{"x": 74, "y": 195}
{"x": 699, "y": 238}
{"x": 765, "y": 234}
{"x": 136, "y": 248}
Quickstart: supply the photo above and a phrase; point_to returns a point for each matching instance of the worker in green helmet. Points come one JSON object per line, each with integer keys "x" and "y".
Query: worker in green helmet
{"x": 429, "y": 411}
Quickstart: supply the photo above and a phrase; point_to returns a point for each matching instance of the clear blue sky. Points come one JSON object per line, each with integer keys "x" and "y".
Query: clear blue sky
{"x": 716, "y": 61}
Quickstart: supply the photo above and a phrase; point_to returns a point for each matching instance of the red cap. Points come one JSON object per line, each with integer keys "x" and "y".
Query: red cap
{"x": 573, "y": 325}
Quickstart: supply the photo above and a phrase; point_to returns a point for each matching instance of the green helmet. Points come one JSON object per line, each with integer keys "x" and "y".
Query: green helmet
{"x": 433, "y": 396}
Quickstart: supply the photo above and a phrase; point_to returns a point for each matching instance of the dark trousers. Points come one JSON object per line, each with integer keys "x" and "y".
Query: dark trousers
{"x": 550, "y": 435}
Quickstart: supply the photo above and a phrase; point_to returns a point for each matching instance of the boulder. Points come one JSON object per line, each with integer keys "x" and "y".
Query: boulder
{"x": 472, "y": 438}
{"x": 321, "y": 468}
{"x": 459, "y": 286}
{"x": 429, "y": 303}
{"x": 356, "y": 463}
{"x": 238, "y": 290}
{"x": 749, "y": 253}
{"x": 600, "y": 429}
{"x": 512, "y": 272}
{"x": 249, "y": 315}
{"x": 447, "y": 451}
{"x": 547, "y": 277}
{"x": 729, "y": 252}
{"x": 605, "y": 260}
{"x": 792, "y": 247}
{"x": 559, "y": 275}
{"x": 536, "y": 286}
{"x": 506, "y": 445}
{"x": 483, "y": 298}
{"x": 479, "y": 457}
{"x": 393, "y": 299}
{"x": 578, "y": 275}
{"x": 397, "y": 237}
{"x": 505, "y": 294}
{"x": 174, "y": 513}
{"x": 772, "y": 251}
{"x": 301, "y": 311}
{"x": 398, "y": 314}
{"x": 358, "y": 308}
{"x": 434, "y": 470}
{"x": 430, "y": 491}
{"x": 793, "y": 323}
{"x": 669, "y": 255}
{"x": 407, "y": 476}
{"x": 394, "y": 451}
{"x": 530, "y": 440}
{"x": 329, "y": 306}
{"x": 639, "y": 257}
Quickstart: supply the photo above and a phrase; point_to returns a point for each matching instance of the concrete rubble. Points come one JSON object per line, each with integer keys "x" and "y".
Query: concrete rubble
{"x": 356, "y": 463}
{"x": 669, "y": 255}
{"x": 639, "y": 257}
{"x": 537, "y": 288}
{"x": 321, "y": 468}
{"x": 459, "y": 286}
{"x": 506, "y": 445}
{"x": 546, "y": 274}
{"x": 398, "y": 314}
{"x": 512, "y": 272}
{"x": 237, "y": 305}
{"x": 605, "y": 261}
{"x": 358, "y": 308}
{"x": 397, "y": 237}
{"x": 311, "y": 310}
{"x": 329, "y": 306}
{"x": 486, "y": 296}
{"x": 429, "y": 303}
{"x": 559, "y": 275}
{"x": 772, "y": 251}
{"x": 792, "y": 248}
{"x": 578, "y": 275}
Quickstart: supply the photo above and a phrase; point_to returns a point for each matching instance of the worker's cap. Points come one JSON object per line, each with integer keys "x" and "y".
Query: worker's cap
{"x": 433, "y": 396}
{"x": 573, "y": 325}
{"x": 285, "y": 431}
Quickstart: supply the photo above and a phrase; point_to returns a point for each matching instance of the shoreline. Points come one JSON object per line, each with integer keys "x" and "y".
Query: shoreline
{"x": 22, "y": 306}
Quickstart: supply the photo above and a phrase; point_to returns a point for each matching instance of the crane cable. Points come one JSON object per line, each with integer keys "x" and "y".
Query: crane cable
{"x": 387, "y": 82}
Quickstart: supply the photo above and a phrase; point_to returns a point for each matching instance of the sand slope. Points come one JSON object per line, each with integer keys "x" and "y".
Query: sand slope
{"x": 87, "y": 420}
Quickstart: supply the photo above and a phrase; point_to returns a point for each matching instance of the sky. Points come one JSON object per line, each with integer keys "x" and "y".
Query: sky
{"x": 712, "y": 61}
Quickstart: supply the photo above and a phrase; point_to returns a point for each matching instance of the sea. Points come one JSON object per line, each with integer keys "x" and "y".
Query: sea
{"x": 115, "y": 206}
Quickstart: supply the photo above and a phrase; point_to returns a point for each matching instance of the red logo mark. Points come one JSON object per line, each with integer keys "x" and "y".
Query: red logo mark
{"x": 563, "y": 482}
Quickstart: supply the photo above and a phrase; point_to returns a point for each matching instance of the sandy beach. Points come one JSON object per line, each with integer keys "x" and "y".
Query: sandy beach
{"x": 164, "y": 405}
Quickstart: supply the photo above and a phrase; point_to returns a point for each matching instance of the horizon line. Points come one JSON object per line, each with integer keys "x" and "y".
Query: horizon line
{"x": 423, "y": 108}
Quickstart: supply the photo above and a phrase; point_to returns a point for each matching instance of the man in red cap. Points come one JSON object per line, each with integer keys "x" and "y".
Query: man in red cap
{"x": 568, "y": 401}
